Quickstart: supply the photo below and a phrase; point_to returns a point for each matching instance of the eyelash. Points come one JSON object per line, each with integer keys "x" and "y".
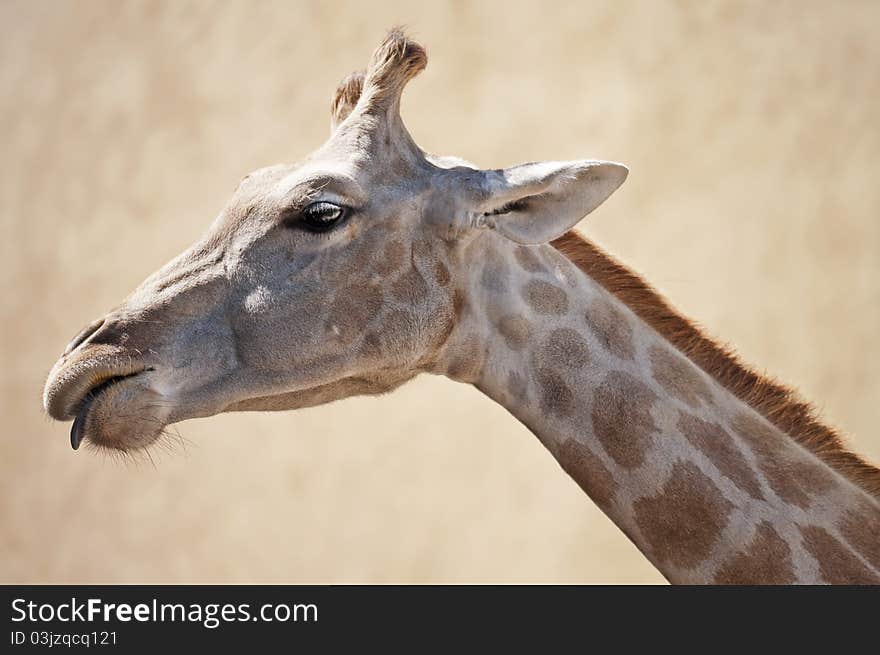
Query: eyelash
{"x": 319, "y": 217}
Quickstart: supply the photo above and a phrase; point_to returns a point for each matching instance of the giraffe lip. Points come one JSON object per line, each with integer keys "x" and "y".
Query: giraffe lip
{"x": 72, "y": 378}
{"x": 78, "y": 429}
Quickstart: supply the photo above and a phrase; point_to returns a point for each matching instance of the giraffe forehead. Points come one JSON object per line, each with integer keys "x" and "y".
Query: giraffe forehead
{"x": 263, "y": 181}
{"x": 316, "y": 175}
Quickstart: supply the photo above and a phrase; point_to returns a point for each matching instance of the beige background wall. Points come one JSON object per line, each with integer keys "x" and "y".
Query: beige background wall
{"x": 752, "y": 134}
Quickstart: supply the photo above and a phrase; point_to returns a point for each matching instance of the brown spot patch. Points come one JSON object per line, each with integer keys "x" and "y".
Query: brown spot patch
{"x": 528, "y": 259}
{"x": 494, "y": 274}
{"x": 793, "y": 474}
{"x": 564, "y": 348}
{"x": 401, "y": 167}
{"x": 352, "y": 309}
{"x": 545, "y": 298}
{"x": 441, "y": 274}
{"x": 861, "y": 528}
{"x": 446, "y": 321}
{"x": 622, "y": 418}
{"x": 385, "y": 342}
{"x": 556, "y": 397}
{"x": 363, "y": 253}
{"x": 392, "y": 258}
{"x": 837, "y": 564}
{"x": 611, "y": 328}
{"x": 516, "y": 331}
{"x": 781, "y": 405}
{"x": 372, "y": 344}
{"x": 588, "y": 471}
{"x": 423, "y": 250}
{"x": 459, "y": 302}
{"x": 721, "y": 449}
{"x": 679, "y": 377}
{"x": 766, "y": 560}
{"x": 683, "y": 522}
{"x": 410, "y": 288}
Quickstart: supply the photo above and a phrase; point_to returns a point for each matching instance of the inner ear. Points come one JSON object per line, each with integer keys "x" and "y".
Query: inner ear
{"x": 536, "y": 203}
{"x": 521, "y": 204}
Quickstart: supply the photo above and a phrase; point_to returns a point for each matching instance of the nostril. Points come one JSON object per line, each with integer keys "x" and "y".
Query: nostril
{"x": 84, "y": 334}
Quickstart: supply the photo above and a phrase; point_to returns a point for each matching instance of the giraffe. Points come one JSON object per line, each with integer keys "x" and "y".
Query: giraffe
{"x": 371, "y": 262}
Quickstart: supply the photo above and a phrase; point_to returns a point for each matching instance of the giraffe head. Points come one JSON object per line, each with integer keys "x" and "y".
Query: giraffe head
{"x": 337, "y": 276}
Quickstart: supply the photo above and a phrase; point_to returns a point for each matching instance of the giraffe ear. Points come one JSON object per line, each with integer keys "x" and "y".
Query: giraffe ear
{"x": 536, "y": 203}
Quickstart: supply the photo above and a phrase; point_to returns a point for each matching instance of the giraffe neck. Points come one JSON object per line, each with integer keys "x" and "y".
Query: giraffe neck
{"x": 703, "y": 485}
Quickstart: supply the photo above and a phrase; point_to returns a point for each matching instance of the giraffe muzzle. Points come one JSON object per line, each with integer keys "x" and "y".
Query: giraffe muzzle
{"x": 111, "y": 399}
{"x": 78, "y": 429}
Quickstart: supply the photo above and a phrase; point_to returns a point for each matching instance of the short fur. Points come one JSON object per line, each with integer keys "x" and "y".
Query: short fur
{"x": 776, "y": 402}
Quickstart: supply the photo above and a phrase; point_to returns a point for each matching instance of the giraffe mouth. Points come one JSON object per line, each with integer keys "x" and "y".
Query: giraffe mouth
{"x": 74, "y": 377}
{"x": 89, "y": 399}
{"x": 108, "y": 396}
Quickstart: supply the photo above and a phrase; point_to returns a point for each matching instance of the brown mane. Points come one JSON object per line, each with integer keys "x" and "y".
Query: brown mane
{"x": 777, "y": 403}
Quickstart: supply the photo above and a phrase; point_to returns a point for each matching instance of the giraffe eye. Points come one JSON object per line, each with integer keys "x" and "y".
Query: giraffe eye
{"x": 322, "y": 216}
